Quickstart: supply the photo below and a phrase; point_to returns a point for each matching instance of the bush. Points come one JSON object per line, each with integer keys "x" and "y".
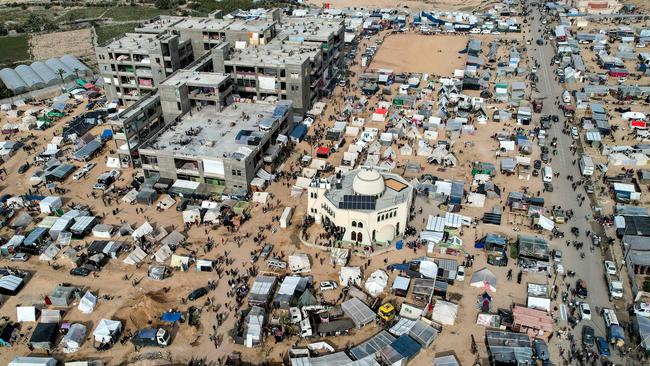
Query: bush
{"x": 646, "y": 285}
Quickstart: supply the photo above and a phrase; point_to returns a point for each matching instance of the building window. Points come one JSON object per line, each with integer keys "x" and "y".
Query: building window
{"x": 359, "y": 237}
{"x": 146, "y": 159}
{"x": 353, "y": 236}
{"x": 294, "y": 75}
{"x": 354, "y": 224}
{"x": 360, "y": 225}
{"x": 294, "y": 87}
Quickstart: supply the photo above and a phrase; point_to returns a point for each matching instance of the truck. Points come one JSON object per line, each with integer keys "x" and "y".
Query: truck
{"x": 615, "y": 333}
{"x": 386, "y": 312}
{"x": 148, "y": 337}
{"x": 587, "y": 165}
{"x": 614, "y": 285}
{"x": 538, "y": 104}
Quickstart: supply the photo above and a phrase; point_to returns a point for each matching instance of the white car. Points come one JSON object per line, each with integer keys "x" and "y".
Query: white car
{"x": 78, "y": 175}
{"x": 460, "y": 274}
{"x": 328, "y": 285}
{"x": 610, "y": 267}
{"x": 475, "y": 31}
{"x": 602, "y": 167}
{"x": 557, "y": 257}
{"x": 88, "y": 166}
{"x": 485, "y": 31}
{"x": 495, "y": 32}
{"x": 574, "y": 133}
{"x": 640, "y": 45}
{"x": 585, "y": 311}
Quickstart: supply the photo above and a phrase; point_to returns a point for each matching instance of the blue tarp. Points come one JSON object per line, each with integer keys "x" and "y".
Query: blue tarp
{"x": 299, "y": 132}
{"x": 406, "y": 346}
{"x": 107, "y": 134}
{"x": 35, "y": 235}
{"x": 457, "y": 191}
{"x": 171, "y": 316}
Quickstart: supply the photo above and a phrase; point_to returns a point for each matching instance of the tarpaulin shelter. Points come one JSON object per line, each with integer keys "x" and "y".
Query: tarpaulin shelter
{"x": 350, "y": 276}
{"x": 11, "y": 285}
{"x": 359, "y": 312}
{"x": 33, "y": 361}
{"x": 103, "y": 231}
{"x": 299, "y": 263}
{"x": 143, "y": 230}
{"x": 136, "y": 256}
{"x": 146, "y": 196}
{"x": 61, "y": 296}
{"x": 400, "y": 351}
{"x": 50, "y": 204}
{"x": 74, "y": 338}
{"x": 484, "y": 279}
{"x": 289, "y": 288}
{"x": 428, "y": 269}
{"x": 372, "y": 346}
{"x": 50, "y": 316}
{"x": 25, "y": 314}
{"x": 50, "y": 253}
{"x": 163, "y": 253}
{"x": 376, "y": 283}
{"x": 262, "y": 290}
{"x": 107, "y": 331}
{"x": 87, "y": 303}
{"x": 44, "y": 335}
{"x": 444, "y": 312}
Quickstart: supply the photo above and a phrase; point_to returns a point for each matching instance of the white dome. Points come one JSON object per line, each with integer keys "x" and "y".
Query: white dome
{"x": 368, "y": 183}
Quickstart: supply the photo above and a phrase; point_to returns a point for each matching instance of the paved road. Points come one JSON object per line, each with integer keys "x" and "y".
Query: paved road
{"x": 591, "y": 267}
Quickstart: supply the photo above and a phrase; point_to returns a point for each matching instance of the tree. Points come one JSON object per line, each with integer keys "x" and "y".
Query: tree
{"x": 60, "y": 72}
{"x": 165, "y": 4}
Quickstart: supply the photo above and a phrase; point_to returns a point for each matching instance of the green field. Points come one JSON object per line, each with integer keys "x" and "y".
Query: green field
{"x": 117, "y": 13}
{"x": 13, "y": 49}
{"x": 106, "y": 32}
{"x": 203, "y": 7}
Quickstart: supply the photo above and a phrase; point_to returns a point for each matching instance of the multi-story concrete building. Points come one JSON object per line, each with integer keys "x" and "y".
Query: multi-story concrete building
{"x": 284, "y": 71}
{"x": 136, "y": 63}
{"x": 224, "y": 148}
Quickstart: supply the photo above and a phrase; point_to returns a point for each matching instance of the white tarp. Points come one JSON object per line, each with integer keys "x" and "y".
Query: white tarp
{"x": 50, "y": 316}
{"x": 166, "y": 201}
{"x": 87, "y": 303}
{"x": 546, "y": 223}
{"x": 261, "y": 197}
{"x": 49, "y": 253}
{"x": 376, "y": 283}
{"x": 75, "y": 337}
{"x": 350, "y": 276}
{"x": 25, "y": 314}
{"x": 163, "y": 254}
{"x": 429, "y": 269}
{"x": 144, "y": 229}
{"x": 484, "y": 279}
{"x": 135, "y": 257}
{"x": 540, "y": 303}
{"x": 299, "y": 263}
{"x": 192, "y": 216}
{"x": 130, "y": 196}
{"x": 266, "y": 82}
{"x": 106, "y": 329}
{"x": 444, "y": 312}
{"x": 113, "y": 162}
{"x": 213, "y": 167}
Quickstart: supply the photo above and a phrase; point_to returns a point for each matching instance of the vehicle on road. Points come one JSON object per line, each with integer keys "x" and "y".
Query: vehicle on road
{"x": 602, "y": 167}
{"x": 585, "y": 311}
{"x": 148, "y": 337}
{"x": 197, "y": 294}
{"x": 642, "y": 309}
{"x": 80, "y": 271}
{"x": 78, "y": 175}
{"x": 587, "y": 336}
{"x": 581, "y": 289}
{"x": 100, "y": 187}
{"x": 603, "y": 347}
{"x": 548, "y": 187}
{"x": 537, "y": 164}
{"x": 574, "y": 133}
{"x": 20, "y": 257}
{"x": 547, "y": 174}
{"x": 610, "y": 267}
{"x": 614, "y": 285}
{"x": 460, "y": 274}
{"x": 23, "y": 168}
{"x": 557, "y": 255}
{"x": 328, "y": 285}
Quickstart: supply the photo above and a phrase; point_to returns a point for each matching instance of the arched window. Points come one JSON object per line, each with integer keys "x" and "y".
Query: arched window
{"x": 360, "y": 225}
{"x": 354, "y": 224}
{"x": 353, "y": 236}
{"x": 359, "y": 237}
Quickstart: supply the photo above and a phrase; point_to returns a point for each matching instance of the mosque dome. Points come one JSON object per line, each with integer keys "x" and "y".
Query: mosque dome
{"x": 368, "y": 182}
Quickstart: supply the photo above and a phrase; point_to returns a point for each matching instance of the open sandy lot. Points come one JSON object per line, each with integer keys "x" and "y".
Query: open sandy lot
{"x": 75, "y": 42}
{"x": 416, "y": 53}
{"x": 431, "y": 4}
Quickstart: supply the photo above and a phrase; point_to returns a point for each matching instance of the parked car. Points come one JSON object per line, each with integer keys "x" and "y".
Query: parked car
{"x": 557, "y": 256}
{"x": 585, "y": 311}
{"x": 182, "y": 205}
{"x": 20, "y": 257}
{"x": 603, "y": 347}
{"x": 100, "y": 187}
{"x": 602, "y": 167}
{"x": 587, "y": 336}
{"x": 88, "y": 166}
{"x": 610, "y": 267}
{"x": 537, "y": 164}
{"x": 197, "y": 294}
{"x": 460, "y": 273}
{"x": 78, "y": 175}
{"x": 548, "y": 187}
{"x": 328, "y": 285}
{"x": 23, "y": 168}
{"x": 574, "y": 133}
{"x": 80, "y": 271}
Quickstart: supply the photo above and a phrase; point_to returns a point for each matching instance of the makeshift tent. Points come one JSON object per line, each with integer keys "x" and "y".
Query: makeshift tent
{"x": 50, "y": 316}
{"x": 44, "y": 335}
{"x": 25, "y": 314}
{"x": 163, "y": 253}
{"x": 33, "y": 361}
{"x": 130, "y": 196}
{"x": 253, "y": 326}
{"x": 75, "y": 337}
{"x": 50, "y": 204}
{"x": 376, "y": 283}
{"x": 350, "y": 276}
{"x": 429, "y": 269}
{"x": 359, "y": 312}
{"x": 299, "y": 263}
{"x": 484, "y": 279}
{"x": 107, "y": 331}
{"x": 144, "y": 229}
{"x": 192, "y": 216}
{"x": 103, "y": 231}
{"x": 49, "y": 253}
{"x": 87, "y": 303}
{"x": 135, "y": 257}
{"x": 166, "y": 201}
{"x": 444, "y": 312}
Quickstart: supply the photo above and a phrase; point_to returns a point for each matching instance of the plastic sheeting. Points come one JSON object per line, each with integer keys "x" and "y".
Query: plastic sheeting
{"x": 376, "y": 283}
{"x": 87, "y": 303}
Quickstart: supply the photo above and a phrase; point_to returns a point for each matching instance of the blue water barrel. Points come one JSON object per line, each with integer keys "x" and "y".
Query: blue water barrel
{"x": 399, "y": 245}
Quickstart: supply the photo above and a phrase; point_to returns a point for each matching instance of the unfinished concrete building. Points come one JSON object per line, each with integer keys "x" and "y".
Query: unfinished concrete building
{"x": 133, "y": 65}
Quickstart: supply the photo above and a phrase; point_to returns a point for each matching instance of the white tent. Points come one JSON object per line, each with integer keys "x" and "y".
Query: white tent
{"x": 163, "y": 253}
{"x": 166, "y": 201}
{"x": 192, "y": 216}
{"x": 130, "y": 196}
{"x": 50, "y": 316}
{"x": 25, "y": 314}
{"x": 49, "y": 253}
{"x": 484, "y": 279}
{"x": 376, "y": 283}
{"x": 546, "y": 223}
{"x": 444, "y": 312}
{"x": 429, "y": 269}
{"x": 212, "y": 216}
{"x": 113, "y": 162}
{"x": 103, "y": 231}
{"x": 33, "y": 361}
{"x": 135, "y": 257}
{"x": 350, "y": 276}
{"x": 143, "y": 230}
{"x": 261, "y": 197}
{"x": 87, "y": 303}
{"x": 299, "y": 263}
{"x": 75, "y": 337}
{"x": 106, "y": 330}
{"x": 50, "y": 204}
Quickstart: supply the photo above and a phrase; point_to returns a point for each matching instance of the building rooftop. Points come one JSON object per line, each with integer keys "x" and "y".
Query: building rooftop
{"x": 208, "y": 133}
{"x": 133, "y": 42}
{"x": 273, "y": 55}
{"x": 214, "y": 25}
{"x": 159, "y": 24}
{"x": 366, "y": 189}
{"x": 195, "y": 78}
{"x": 251, "y": 25}
{"x": 299, "y": 29}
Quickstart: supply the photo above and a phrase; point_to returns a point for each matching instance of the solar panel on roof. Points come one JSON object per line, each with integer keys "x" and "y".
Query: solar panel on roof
{"x": 358, "y": 202}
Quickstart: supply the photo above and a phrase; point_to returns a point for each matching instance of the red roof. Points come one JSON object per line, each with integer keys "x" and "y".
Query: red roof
{"x": 323, "y": 150}
{"x": 638, "y": 124}
{"x": 381, "y": 110}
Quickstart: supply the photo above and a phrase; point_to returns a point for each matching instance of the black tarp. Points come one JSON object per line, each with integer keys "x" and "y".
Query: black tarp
{"x": 44, "y": 335}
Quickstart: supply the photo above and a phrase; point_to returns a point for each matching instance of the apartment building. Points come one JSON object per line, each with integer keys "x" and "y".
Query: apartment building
{"x": 283, "y": 71}
{"x": 134, "y": 64}
{"x": 225, "y": 148}
{"x": 183, "y": 92}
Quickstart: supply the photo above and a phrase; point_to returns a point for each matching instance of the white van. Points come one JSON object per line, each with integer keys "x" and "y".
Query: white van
{"x": 547, "y": 174}
{"x": 610, "y": 317}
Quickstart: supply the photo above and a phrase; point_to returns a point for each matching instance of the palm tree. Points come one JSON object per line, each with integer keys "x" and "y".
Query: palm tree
{"x": 76, "y": 72}
{"x": 61, "y": 72}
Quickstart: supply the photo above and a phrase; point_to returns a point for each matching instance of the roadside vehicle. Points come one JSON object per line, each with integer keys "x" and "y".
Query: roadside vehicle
{"x": 603, "y": 347}
{"x": 23, "y": 168}
{"x": 20, "y": 257}
{"x": 610, "y": 267}
{"x": 197, "y": 294}
{"x": 328, "y": 285}
{"x": 587, "y": 336}
{"x": 585, "y": 311}
{"x": 460, "y": 273}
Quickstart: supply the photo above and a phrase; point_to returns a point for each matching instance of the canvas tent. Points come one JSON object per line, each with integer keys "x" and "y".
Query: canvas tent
{"x": 484, "y": 279}
{"x": 87, "y": 303}
{"x": 350, "y": 276}
{"x": 376, "y": 283}
{"x": 33, "y": 361}
{"x": 44, "y": 335}
{"x": 75, "y": 337}
{"x": 444, "y": 312}
{"x": 25, "y": 314}
{"x": 135, "y": 257}
{"x": 107, "y": 331}
{"x": 299, "y": 263}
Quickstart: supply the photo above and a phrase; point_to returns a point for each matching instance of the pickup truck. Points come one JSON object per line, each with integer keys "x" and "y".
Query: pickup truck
{"x": 614, "y": 285}
{"x": 148, "y": 337}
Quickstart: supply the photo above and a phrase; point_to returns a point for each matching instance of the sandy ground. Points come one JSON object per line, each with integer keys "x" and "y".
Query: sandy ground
{"x": 74, "y": 42}
{"x": 437, "y": 55}
{"x": 420, "y": 5}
